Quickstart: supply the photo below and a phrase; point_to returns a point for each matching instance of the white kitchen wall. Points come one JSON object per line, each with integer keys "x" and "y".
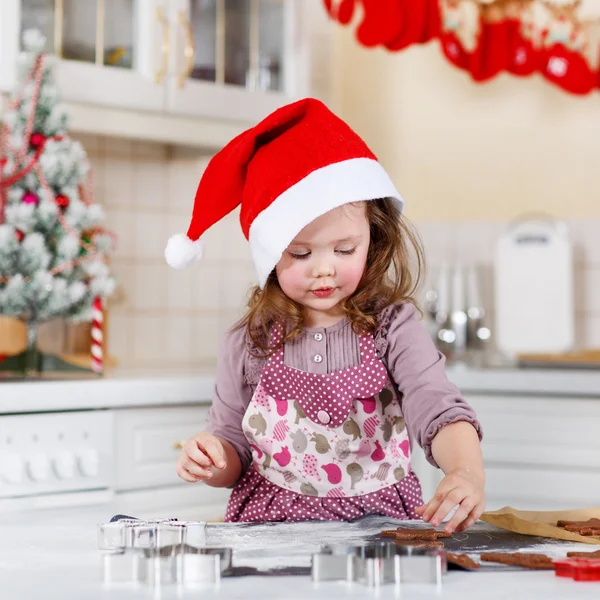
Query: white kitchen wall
{"x": 168, "y": 318}
{"x": 162, "y": 317}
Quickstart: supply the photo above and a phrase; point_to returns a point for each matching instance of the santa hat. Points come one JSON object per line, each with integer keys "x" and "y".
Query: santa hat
{"x": 294, "y": 166}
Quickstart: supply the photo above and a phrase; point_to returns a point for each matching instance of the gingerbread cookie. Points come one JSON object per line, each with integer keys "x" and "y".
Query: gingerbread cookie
{"x": 518, "y": 559}
{"x": 419, "y": 543}
{"x": 462, "y": 560}
{"x": 404, "y": 533}
{"x": 584, "y": 554}
{"x": 588, "y": 523}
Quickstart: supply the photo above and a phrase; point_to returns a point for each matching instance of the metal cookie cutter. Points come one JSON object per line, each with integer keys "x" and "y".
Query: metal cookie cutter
{"x": 376, "y": 564}
{"x": 201, "y": 566}
{"x": 135, "y": 533}
{"x": 334, "y": 563}
{"x": 177, "y": 564}
{"x": 421, "y": 565}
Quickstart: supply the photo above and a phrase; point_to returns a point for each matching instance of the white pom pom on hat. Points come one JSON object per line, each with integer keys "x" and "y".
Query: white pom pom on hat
{"x": 298, "y": 163}
{"x": 182, "y": 252}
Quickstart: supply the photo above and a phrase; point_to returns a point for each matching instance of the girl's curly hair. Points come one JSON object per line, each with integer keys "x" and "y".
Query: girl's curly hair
{"x": 395, "y": 265}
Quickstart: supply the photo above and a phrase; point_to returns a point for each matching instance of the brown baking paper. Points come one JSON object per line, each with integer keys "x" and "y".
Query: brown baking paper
{"x": 542, "y": 523}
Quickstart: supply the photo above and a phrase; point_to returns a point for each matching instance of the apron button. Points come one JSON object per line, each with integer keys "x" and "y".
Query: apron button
{"x": 323, "y": 417}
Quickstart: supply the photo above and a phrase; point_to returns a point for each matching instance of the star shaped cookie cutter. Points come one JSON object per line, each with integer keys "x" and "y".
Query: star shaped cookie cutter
{"x": 379, "y": 563}
{"x": 159, "y": 552}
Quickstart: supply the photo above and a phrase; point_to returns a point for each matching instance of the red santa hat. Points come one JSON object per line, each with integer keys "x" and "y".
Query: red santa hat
{"x": 294, "y": 166}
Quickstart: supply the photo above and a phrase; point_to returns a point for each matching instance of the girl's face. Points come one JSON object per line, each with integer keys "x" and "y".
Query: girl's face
{"x": 324, "y": 263}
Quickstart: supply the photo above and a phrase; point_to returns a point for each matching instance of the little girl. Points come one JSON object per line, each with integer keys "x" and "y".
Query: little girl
{"x": 330, "y": 377}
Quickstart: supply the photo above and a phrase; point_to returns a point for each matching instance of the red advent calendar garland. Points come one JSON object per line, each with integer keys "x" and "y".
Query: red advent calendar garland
{"x": 484, "y": 38}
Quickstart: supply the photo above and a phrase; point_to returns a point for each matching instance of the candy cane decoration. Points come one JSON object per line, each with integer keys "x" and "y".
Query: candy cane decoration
{"x": 97, "y": 336}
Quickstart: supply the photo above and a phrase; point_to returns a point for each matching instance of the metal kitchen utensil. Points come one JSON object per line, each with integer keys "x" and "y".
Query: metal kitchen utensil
{"x": 334, "y": 563}
{"x": 201, "y": 566}
{"x": 376, "y": 564}
{"x": 175, "y": 564}
{"x": 115, "y": 535}
{"x": 152, "y": 533}
{"x": 124, "y": 567}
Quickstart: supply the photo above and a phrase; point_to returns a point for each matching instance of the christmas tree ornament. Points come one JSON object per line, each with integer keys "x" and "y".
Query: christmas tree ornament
{"x": 19, "y": 235}
{"x": 30, "y": 198}
{"x": 36, "y": 140}
{"x": 97, "y": 336}
{"x": 62, "y": 202}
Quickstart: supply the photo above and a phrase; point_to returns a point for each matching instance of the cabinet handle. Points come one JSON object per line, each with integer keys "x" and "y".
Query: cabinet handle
{"x": 179, "y": 445}
{"x": 165, "y": 46}
{"x": 189, "y": 51}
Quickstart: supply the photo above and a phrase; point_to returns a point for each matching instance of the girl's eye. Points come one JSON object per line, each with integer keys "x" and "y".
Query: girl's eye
{"x": 299, "y": 256}
{"x": 347, "y": 252}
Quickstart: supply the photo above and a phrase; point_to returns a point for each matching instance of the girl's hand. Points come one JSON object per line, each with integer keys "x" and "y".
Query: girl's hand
{"x": 460, "y": 488}
{"x": 199, "y": 454}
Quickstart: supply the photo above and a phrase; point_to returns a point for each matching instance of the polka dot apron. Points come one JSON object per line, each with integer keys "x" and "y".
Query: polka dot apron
{"x": 320, "y": 440}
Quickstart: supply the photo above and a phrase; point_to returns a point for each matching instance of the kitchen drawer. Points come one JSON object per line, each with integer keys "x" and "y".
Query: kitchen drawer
{"x": 532, "y": 431}
{"x": 541, "y": 489}
{"x": 145, "y": 454}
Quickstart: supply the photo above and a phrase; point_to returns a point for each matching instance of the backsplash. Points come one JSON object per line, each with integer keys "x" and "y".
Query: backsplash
{"x": 165, "y": 318}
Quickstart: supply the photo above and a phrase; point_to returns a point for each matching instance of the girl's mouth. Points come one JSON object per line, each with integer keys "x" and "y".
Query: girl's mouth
{"x": 323, "y": 292}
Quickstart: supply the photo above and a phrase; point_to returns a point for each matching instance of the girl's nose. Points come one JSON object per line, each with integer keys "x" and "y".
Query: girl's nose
{"x": 323, "y": 268}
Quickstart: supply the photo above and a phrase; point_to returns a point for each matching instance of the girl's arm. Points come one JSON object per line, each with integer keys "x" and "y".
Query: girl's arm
{"x": 457, "y": 450}
{"x": 437, "y": 416}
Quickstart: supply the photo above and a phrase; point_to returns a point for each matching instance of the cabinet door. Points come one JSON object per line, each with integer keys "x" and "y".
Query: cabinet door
{"x": 113, "y": 52}
{"x": 9, "y": 43}
{"x": 147, "y": 444}
{"x": 540, "y": 453}
{"x": 235, "y": 59}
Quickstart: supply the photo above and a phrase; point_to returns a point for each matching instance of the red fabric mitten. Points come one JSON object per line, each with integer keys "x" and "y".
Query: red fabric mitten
{"x": 413, "y": 18}
{"x": 563, "y": 56}
{"x": 433, "y": 21}
{"x": 340, "y": 10}
{"x": 329, "y": 8}
{"x": 451, "y": 44}
{"x": 522, "y": 59}
{"x": 490, "y": 55}
{"x": 382, "y": 21}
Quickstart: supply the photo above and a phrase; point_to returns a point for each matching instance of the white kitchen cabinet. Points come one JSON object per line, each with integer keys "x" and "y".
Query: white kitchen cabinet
{"x": 540, "y": 453}
{"x": 112, "y": 51}
{"x": 233, "y": 57}
{"x": 218, "y": 59}
{"x": 146, "y": 446}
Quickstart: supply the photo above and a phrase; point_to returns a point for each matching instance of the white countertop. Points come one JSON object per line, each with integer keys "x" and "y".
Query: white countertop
{"x": 544, "y": 382}
{"x": 161, "y": 388}
{"x": 116, "y": 389}
{"x": 54, "y": 555}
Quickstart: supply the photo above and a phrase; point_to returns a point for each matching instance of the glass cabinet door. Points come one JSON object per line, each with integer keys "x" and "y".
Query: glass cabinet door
{"x": 236, "y": 42}
{"x": 202, "y": 24}
{"x": 94, "y": 31}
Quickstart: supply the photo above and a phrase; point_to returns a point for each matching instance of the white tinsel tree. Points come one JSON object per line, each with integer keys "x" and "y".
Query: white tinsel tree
{"x": 53, "y": 250}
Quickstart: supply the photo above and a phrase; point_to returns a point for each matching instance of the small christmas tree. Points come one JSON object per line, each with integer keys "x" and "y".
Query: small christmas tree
{"x": 53, "y": 251}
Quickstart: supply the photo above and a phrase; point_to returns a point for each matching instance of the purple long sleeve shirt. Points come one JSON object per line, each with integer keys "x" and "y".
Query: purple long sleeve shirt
{"x": 429, "y": 400}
